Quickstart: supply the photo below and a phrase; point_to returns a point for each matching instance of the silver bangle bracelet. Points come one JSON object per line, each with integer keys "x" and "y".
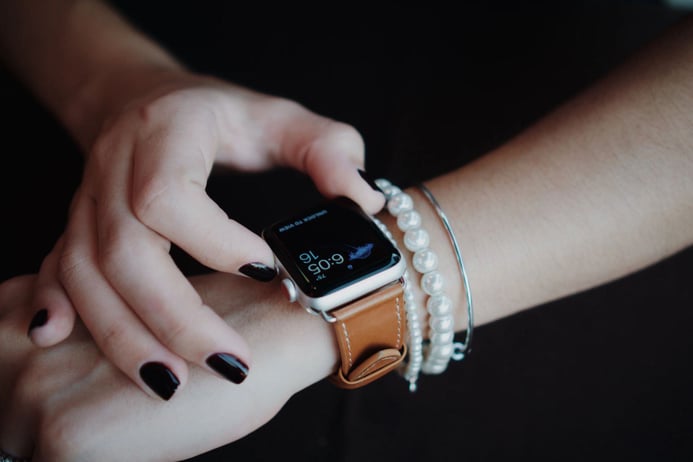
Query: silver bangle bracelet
{"x": 461, "y": 349}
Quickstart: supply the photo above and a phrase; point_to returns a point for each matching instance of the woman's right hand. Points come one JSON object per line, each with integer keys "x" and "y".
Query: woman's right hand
{"x": 143, "y": 190}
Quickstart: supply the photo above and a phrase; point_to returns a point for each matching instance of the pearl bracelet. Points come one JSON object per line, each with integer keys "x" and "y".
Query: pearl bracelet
{"x": 414, "y": 328}
{"x": 441, "y": 324}
{"x": 460, "y": 349}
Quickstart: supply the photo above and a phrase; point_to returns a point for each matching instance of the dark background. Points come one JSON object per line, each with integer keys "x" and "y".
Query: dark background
{"x": 604, "y": 375}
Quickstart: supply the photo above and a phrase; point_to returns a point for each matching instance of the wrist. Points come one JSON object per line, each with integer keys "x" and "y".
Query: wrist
{"x": 106, "y": 93}
{"x": 290, "y": 349}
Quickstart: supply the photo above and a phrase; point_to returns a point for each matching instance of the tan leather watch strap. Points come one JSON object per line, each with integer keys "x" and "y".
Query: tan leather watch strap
{"x": 370, "y": 334}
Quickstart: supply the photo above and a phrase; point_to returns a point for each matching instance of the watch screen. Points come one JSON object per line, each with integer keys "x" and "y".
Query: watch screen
{"x": 330, "y": 246}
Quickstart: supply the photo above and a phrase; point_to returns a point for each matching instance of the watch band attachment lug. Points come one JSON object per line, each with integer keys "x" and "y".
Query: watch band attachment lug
{"x": 327, "y": 317}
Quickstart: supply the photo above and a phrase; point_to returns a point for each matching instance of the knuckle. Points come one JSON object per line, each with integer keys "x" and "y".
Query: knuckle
{"x": 180, "y": 332}
{"x": 152, "y": 196}
{"x": 343, "y": 130}
{"x": 115, "y": 247}
{"x": 115, "y": 337}
{"x": 175, "y": 335}
{"x": 343, "y": 136}
{"x": 122, "y": 242}
{"x": 338, "y": 139}
{"x": 70, "y": 267}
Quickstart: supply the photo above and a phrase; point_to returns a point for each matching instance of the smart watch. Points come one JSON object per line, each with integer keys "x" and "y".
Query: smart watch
{"x": 334, "y": 260}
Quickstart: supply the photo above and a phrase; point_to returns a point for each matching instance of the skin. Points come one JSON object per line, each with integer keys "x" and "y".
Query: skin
{"x": 101, "y": 397}
{"x": 558, "y": 209}
{"x": 578, "y": 174}
{"x": 152, "y": 131}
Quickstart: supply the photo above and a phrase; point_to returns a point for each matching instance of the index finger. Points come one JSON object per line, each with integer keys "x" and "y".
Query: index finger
{"x": 168, "y": 195}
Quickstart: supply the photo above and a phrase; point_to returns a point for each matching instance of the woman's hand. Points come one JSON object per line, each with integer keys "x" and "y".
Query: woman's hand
{"x": 144, "y": 188}
{"x": 68, "y": 402}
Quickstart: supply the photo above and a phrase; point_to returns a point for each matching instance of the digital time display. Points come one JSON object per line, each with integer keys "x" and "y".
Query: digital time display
{"x": 329, "y": 246}
{"x": 317, "y": 265}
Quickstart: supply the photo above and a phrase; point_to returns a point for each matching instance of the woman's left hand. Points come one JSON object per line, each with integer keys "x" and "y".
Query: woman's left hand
{"x": 67, "y": 402}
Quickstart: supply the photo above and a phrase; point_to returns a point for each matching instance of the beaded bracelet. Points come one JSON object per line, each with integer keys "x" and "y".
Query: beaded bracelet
{"x": 414, "y": 329}
{"x": 441, "y": 324}
{"x": 460, "y": 349}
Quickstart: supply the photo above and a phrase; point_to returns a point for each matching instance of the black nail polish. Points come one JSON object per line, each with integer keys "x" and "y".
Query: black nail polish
{"x": 39, "y": 319}
{"x": 368, "y": 179}
{"x": 160, "y": 379}
{"x": 229, "y": 366}
{"x": 258, "y": 271}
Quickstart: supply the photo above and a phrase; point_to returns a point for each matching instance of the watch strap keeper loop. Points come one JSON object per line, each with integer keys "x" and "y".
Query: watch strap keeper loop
{"x": 370, "y": 333}
{"x": 371, "y": 369}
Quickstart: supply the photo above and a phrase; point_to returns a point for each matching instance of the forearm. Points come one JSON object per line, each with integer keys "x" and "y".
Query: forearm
{"x": 598, "y": 189}
{"x": 80, "y": 58}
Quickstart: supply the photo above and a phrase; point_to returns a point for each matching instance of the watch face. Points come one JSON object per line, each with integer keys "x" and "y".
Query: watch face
{"x": 330, "y": 247}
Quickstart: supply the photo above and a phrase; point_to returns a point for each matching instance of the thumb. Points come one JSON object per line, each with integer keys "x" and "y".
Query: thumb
{"x": 332, "y": 153}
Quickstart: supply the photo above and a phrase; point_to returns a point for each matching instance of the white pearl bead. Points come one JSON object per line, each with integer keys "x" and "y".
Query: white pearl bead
{"x": 409, "y": 297}
{"x": 442, "y": 338}
{"x": 382, "y": 183}
{"x": 436, "y": 361}
{"x": 434, "y": 369}
{"x": 416, "y": 239}
{"x": 439, "y": 305}
{"x": 413, "y": 316}
{"x": 432, "y": 282}
{"x": 441, "y": 324}
{"x": 413, "y": 369}
{"x": 408, "y": 220}
{"x": 441, "y": 351}
{"x": 416, "y": 344}
{"x": 425, "y": 260}
{"x": 415, "y": 324}
{"x": 390, "y": 191}
{"x": 416, "y": 349}
{"x": 400, "y": 202}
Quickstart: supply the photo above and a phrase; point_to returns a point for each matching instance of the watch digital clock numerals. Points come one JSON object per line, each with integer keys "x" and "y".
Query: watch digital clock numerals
{"x": 317, "y": 265}
{"x": 329, "y": 247}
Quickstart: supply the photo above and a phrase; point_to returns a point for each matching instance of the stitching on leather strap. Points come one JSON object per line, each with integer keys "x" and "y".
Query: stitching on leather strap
{"x": 348, "y": 342}
{"x": 399, "y": 323}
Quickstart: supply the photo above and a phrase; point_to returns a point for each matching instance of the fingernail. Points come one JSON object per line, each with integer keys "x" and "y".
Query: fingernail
{"x": 160, "y": 379}
{"x": 258, "y": 271}
{"x": 371, "y": 182}
{"x": 229, "y": 366}
{"x": 39, "y": 319}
